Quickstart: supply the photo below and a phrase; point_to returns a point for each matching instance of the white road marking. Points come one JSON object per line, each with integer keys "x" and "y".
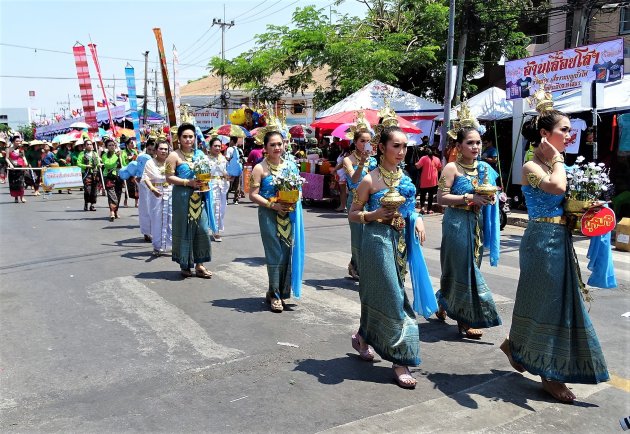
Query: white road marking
{"x": 147, "y": 315}
{"x": 485, "y": 409}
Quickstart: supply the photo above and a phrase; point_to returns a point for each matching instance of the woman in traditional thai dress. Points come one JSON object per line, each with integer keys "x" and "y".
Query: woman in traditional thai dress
{"x": 129, "y": 154}
{"x": 281, "y": 224}
{"x": 193, "y": 206}
{"x": 356, "y": 166}
{"x": 89, "y": 163}
{"x": 551, "y": 333}
{"x": 470, "y": 222}
{"x": 113, "y": 183}
{"x": 16, "y": 176}
{"x": 159, "y": 200}
{"x": 220, "y": 185}
{"x": 388, "y": 321}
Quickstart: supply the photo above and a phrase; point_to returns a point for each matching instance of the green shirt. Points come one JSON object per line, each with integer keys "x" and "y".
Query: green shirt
{"x": 110, "y": 164}
{"x": 73, "y": 157}
{"x": 86, "y": 162}
{"x": 62, "y": 154}
{"x": 128, "y": 156}
{"x": 33, "y": 157}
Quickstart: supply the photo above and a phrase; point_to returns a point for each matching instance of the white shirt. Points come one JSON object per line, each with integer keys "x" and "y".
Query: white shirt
{"x": 577, "y": 126}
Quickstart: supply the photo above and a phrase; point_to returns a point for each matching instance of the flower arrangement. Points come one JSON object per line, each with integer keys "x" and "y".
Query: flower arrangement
{"x": 288, "y": 183}
{"x": 588, "y": 181}
{"x": 201, "y": 168}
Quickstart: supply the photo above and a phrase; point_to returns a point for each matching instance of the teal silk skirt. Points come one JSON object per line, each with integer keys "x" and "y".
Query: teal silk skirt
{"x": 388, "y": 322}
{"x": 356, "y": 231}
{"x": 277, "y": 254}
{"x": 463, "y": 292}
{"x": 552, "y": 334}
{"x": 191, "y": 238}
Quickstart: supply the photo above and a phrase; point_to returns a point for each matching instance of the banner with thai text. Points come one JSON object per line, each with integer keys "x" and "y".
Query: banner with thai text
{"x": 566, "y": 69}
{"x": 207, "y": 118}
{"x": 62, "y": 177}
{"x": 133, "y": 99}
{"x": 85, "y": 86}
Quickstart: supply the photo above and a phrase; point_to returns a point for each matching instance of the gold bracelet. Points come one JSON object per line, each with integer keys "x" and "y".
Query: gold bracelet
{"x": 185, "y": 183}
{"x": 268, "y": 204}
{"x": 362, "y": 218}
{"x": 557, "y": 159}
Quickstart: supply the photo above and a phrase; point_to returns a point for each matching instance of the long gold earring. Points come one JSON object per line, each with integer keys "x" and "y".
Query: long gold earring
{"x": 459, "y": 155}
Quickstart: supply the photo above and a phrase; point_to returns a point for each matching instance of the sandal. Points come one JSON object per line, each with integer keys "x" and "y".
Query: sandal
{"x": 505, "y": 347}
{"x": 276, "y": 304}
{"x": 111, "y": 218}
{"x": 367, "y": 354}
{"x": 203, "y": 273}
{"x": 558, "y": 390}
{"x": 352, "y": 271}
{"x": 468, "y": 331}
{"x": 441, "y": 314}
{"x": 156, "y": 253}
{"x": 92, "y": 208}
{"x": 186, "y": 273}
{"x": 404, "y": 380}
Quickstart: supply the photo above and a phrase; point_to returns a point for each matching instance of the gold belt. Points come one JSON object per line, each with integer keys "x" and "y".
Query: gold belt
{"x": 216, "y": 177}
{"x": 165, "y": 184}
{"x": 559, "y": 220}
{"x": 465, "y": 207}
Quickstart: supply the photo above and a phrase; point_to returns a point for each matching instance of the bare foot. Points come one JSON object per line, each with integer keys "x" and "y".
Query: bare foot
{"x": 505, "y": 347}
{"x": 558, "y": 390}
{"x": 403, "y": 377}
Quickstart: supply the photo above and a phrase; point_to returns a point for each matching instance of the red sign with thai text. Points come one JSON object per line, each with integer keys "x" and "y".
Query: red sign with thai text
{"x": 597, "y": 222}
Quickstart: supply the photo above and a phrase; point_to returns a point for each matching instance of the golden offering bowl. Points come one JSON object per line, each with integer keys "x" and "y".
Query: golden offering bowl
{"x": 575, "y": 206}
{"x": 392, "y": 199}
{"x": 205, "y": 178}
{"x": 486, "y": 190}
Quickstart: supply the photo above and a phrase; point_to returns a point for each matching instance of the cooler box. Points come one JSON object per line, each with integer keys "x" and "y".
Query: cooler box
{"x": 622, "y": 238}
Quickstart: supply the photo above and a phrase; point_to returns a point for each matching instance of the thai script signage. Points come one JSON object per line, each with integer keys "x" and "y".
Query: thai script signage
{"x": 563, "y": 70}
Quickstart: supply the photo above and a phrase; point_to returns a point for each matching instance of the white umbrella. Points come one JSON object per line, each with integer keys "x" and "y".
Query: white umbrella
{"x": 80, "y": 125}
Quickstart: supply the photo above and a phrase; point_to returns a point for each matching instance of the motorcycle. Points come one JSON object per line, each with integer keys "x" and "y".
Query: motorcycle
{"x": 504, "y": 209}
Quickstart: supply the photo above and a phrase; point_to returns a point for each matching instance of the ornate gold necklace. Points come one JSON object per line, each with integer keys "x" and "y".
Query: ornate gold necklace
{"x": 468, "y": 169}
{"x": 390, "y": 178}
{"x": 188, "y": 156}
{"x": 273, "y": 168}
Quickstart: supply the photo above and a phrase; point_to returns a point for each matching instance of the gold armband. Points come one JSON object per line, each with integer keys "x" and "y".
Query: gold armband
{"x": 442, "y": 185}
{"x": 345, "y": 169}
{"x": 168, "y": 169}
{"x": 252, "y": 183}
{"x": 362, "y": 218}
{"x": 534, "y": 180}
{"x": 357, "y": 201}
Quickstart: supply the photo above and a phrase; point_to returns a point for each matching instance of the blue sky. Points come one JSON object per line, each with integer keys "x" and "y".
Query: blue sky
{"x": 122, "y": 30}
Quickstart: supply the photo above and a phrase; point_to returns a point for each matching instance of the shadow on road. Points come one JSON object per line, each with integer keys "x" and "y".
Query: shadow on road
{"x": 436, "y": 330}
{"x": 242, "y": 305}
{"x": 331, "y": 284}
{"x": 170, "y": 275}
{"x": 350, "y": 367}
{"x": 253, "y": 261}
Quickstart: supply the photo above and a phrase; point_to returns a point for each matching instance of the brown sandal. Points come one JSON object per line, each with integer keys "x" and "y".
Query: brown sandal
{"x": 441, "y": 314}
{"x": 203, "y": 273}
{"x": 468, "y": 331}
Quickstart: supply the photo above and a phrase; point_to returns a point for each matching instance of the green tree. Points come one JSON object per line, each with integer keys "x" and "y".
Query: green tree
{"x": 27, "y": 132}
{"x": 400, "y": 42}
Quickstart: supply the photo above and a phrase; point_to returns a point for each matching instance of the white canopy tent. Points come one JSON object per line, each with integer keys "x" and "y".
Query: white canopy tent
{"x": 419, "y": 111}
{"x": 373, "y": 95}
{"x": 489, "y": 105}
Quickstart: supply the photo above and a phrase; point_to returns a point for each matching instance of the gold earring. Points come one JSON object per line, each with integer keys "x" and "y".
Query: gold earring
{"x": 459, "y": 155}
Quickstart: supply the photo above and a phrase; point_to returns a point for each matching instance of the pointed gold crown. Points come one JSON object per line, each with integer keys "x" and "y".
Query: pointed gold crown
{"x": 388, "y": 118}
{"x": 465, "y": 119}
{"x": 542, "y": 100}
{"x": 361, "y": 125}
{"x": 273, "y": 123}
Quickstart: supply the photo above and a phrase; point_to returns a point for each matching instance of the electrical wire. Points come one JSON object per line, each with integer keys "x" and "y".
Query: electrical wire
{"x": 193, "y": 44}
{"x": 251, "y": 10}
{"x": 272, "y": 13}
{"x": 196, "y": 50}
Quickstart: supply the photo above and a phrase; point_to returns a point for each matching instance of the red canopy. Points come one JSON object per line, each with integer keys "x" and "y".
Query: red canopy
{"x": 333, "y": 121}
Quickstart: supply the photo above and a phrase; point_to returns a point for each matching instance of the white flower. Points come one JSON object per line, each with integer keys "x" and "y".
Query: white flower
{"x": 579, "y": 159}
{"x": 601, "y": 165}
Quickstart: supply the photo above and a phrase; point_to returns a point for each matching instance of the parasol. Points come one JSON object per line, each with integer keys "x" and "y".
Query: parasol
{"x": 301, "y": 131}
{"x": 80, "y": 125}
{"x": 231, "y": 130}
{"x": 333, "y": 121}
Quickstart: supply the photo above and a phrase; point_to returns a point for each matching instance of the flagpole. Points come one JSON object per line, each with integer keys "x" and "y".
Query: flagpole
{"x": 100, "y": 78}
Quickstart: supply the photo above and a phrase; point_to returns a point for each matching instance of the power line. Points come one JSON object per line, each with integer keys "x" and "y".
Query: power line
{"x": 196, "y": 50}
{"x": 251, "y": 10}
{"x": 199, "y": 39}
{"x": 194, "y": 57}
{"x": 272, "y": 13}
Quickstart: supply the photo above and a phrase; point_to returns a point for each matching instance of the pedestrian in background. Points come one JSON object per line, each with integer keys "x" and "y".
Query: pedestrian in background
{"x": 89, "y": 162}
{"x": 234, "y": 156}
{"x": 428, "y": 167}
{"x": 16, "y": 161}
{"x": 113, "y": 183}
{"x": 220, "y": 183}
{"x": 159, "y": 200}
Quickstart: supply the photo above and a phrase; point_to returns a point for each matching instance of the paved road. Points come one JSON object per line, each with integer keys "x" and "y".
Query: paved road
{"x": 99, "y": 336}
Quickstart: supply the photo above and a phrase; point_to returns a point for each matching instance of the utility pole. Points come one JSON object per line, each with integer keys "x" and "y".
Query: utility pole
{"x": 221, "y": 22}
{"x": 146, "y": 81}
{"x": 449, "y": 76}
{"x": 461, "y": 53}
{"x": 156, "y": 91}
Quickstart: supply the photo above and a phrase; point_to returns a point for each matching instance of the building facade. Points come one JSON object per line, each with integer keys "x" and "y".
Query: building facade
{"x": 14, "y": 117}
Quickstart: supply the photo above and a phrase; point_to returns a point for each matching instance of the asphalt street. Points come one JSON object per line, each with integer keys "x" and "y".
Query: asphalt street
{"x": 99, "y": 336}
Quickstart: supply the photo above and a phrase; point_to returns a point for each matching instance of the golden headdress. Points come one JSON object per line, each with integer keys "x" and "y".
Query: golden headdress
{"x": 465, "y": 119}
{"x": 542, "y": 100}
{"x": 388, "y": 118}
{"x": 361, "y": 125}
{"x": 274, "y": 124}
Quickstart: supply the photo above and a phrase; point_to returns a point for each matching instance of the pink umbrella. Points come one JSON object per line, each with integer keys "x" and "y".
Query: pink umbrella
{"x": 301, "y": 131}
{"x": 342, "y": 130}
